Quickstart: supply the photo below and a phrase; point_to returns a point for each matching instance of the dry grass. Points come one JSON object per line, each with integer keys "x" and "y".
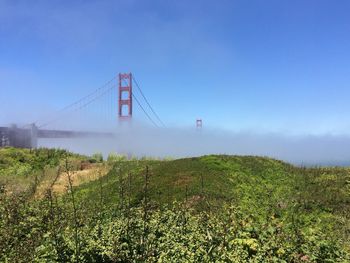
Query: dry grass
{"x": 91, "y": 173}
{"x": 79, "y": 177}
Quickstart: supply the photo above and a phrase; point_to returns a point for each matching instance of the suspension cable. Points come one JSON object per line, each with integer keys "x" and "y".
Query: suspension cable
{"x": 81, "y": 106}
{"x": 142, "y": 108}
{"x": 149, "y": 117}
{"x": 149, "y": 105}
{"x": 81, "y": 99}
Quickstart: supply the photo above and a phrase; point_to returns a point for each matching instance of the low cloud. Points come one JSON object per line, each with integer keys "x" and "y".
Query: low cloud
{"x": 140, "y": 141}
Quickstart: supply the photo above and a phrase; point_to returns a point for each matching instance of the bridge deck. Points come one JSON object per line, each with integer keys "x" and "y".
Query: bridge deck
{"x": 27, "y": 138}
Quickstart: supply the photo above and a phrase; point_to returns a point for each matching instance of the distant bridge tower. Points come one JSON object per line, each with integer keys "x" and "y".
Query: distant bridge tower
{"x": 125, "y": 95}
{"x": 199, "y": 123}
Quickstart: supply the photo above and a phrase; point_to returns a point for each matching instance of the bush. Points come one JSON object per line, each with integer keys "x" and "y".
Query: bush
{"x": 98, "y": 157}
{"x": 114, "y": 157}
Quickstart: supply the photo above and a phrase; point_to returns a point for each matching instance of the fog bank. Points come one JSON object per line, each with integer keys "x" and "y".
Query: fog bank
{"x": 156, "y": 142}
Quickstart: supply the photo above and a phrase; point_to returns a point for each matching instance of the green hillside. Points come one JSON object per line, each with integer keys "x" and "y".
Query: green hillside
{"x": 213, "y": 208}
{"x": 210, "y": 178}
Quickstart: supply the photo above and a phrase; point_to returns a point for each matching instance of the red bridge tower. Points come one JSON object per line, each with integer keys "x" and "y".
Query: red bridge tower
{"x": 199, "y": 123}
{"x": 125, "y": 95}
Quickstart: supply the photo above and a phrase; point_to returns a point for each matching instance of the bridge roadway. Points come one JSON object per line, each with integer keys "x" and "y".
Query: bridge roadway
{"x": 28, "y": 138}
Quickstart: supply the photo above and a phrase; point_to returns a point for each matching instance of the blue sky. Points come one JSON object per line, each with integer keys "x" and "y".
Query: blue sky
{"x": 265, "y": 66}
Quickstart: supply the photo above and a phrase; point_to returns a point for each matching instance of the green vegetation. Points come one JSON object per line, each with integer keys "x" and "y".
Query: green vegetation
{"x": 97, "y": 157}
{"x": 206, "y": 209}
{"x": 21, "y": 170}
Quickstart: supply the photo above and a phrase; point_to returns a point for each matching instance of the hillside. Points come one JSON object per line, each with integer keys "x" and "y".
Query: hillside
{"x": 213, "y": 208}
{"x": 213, "y": 178}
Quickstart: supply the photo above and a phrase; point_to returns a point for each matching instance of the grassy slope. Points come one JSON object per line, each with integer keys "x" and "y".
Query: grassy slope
{"x": 313, "y": 203}
{"x": 245, "y": 179}
{"x": 260, "y": 186}
{"x": 256, "y": 184}
{"x": 316, "y": 200}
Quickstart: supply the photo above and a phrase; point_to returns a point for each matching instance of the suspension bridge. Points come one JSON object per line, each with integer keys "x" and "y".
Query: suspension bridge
{"x": 116, "y": 97}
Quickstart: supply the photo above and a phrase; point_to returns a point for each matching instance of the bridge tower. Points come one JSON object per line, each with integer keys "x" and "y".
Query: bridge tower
{"x": 33, "y": 136}
{"x": 125, "y": 95}
{"x": 199, "y": 123}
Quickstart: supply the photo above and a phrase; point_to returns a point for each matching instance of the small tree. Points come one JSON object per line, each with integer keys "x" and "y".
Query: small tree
{"x": 98, "y": 157}
{"x": 114, "y": 157}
